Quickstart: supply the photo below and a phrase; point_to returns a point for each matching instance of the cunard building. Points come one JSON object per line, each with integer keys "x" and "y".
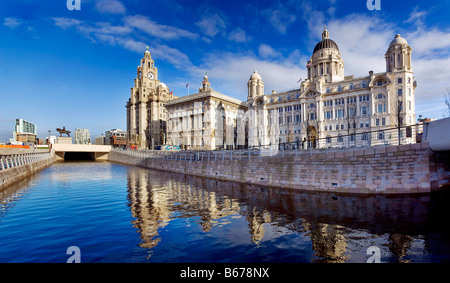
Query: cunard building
{"x": 330, "y": 109}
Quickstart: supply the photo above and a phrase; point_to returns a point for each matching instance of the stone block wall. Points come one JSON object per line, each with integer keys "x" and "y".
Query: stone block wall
{"x": 411, "y": 168}
{"x": 13, "y": 175}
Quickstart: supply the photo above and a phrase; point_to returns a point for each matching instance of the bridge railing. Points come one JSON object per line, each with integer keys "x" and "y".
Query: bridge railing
{"x": 16, "y": 160}
{"x": 348, "y": 140}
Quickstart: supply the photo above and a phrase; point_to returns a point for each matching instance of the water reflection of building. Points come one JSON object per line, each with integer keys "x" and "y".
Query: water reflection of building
{"x": 333, "y": 226}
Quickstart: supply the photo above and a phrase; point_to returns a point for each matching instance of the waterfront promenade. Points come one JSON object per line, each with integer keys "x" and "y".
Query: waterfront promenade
{"x": 411, "y": 168}
{"x": 382, "y": 169}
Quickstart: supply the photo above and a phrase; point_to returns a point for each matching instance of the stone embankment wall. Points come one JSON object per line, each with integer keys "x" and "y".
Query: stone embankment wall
{"x": 411, "y": 168}
{"x": 13, "y": 175}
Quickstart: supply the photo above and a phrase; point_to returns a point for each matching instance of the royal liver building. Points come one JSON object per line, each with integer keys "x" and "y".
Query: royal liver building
{"x": 329, "y": 109}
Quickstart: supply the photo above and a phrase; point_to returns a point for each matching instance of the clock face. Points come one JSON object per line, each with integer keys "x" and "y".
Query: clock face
{"x": 151, "y": 76}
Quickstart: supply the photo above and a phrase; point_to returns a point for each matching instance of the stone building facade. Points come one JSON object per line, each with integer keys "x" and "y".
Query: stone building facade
{"x": 337, "y": 110}
{"x": 329, "y": 109}
{"x": 146, "y": 112}
{"x": 206, "y": 120}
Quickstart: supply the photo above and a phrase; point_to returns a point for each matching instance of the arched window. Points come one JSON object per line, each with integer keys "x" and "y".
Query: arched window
{"x": 328, "y": 139}
{"x": 339, "y": 88}
{"x": 380, "y": 96}
{"x": 297, "y": 95}
{"x": 328, "y": 90}
{"x": 380, "y": 135}
{"x": 351, "y": 86}
{"x": 279, "y": 99}
{"x": 365, "y": 137}
{"x": 363, "y": 84}
{"x": 288, "y": 97}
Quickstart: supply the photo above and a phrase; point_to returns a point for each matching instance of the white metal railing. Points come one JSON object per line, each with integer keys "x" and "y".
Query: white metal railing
{"x": 346, "y": 141}
{"x": 16, "y": 160}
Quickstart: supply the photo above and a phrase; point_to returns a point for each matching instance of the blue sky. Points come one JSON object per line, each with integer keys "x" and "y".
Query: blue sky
{"x": 75, "y": 68}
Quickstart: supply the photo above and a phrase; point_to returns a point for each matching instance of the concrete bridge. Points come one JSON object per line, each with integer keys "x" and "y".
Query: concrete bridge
{"x": 81, "y": 151}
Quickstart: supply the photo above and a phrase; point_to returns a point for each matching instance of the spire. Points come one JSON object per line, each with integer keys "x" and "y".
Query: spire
{"x": 325, "y": 33}
{"x": 206, "y": 85}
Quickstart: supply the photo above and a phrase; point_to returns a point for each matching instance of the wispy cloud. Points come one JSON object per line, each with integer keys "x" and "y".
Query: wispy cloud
{"x": 12, "y": 22}
{"x": 152, "y": 28}
{"x": 281, "y": 15}
{"x": 266, "y": 51}
{"x": 123, "y": 35}
{"x": 110, "y": 7}
{"x": 211, "y": 24}
{"x": 239, "y": 35}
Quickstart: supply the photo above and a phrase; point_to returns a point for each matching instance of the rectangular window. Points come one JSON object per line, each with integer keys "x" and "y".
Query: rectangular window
{"x": 288, "y": 120}
{"x": 400, "y": 92}
{"x": 383, "y": 121}
{"x": 377, "y": 122}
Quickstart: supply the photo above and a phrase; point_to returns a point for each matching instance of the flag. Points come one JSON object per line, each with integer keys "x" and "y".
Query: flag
{"x": 299, "y": 80}
{"x": 309, "y": 64}
{"x": 187, "y": 85}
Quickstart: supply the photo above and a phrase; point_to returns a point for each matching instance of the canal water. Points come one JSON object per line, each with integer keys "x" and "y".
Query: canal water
{"x": 119, "y": 213}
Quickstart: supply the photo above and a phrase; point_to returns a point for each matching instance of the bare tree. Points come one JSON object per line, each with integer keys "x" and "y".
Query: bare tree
{"x": 350, "y": 117}
{"x": 398, "y": 117}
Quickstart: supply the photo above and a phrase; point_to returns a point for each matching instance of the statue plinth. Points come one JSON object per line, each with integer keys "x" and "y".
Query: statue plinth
{"x": 63, "y": 140}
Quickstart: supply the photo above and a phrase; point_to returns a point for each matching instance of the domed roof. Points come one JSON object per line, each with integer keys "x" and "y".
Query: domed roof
{"x": 398, "y": 40}
{"x": 162, "y": 85}
{"x": 255, "y": 76}
{"x": 326, "y": 42}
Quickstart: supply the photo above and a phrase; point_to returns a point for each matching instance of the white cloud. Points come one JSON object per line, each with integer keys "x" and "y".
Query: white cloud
{"x": 417, "y": 16}
{"x": 110, "y": 7}
{"x": 12, "y": 22}
{"x": 239, "y": 35}
{"x": 266, "y": 51}
{"x": 66, "y": 23}
{"x": 280, "y": 16}
{"x": 428, "y": 41}
{"x": 123, "y": 36}
{"x": 152, "y": 28}
{"x": 171, "y": 55}
{"x": 362, "y": 41}
{"x": 211, "y": 24}
{"x": 229, "y": 73}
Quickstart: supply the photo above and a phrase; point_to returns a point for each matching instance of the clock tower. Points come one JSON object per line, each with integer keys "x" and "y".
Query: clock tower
{"x": 146, "y": 113}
